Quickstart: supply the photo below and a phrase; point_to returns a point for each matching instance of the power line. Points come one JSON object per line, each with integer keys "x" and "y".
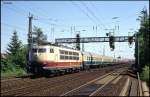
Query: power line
{"x": 14, "y": 26}
{"x": 83, "y": 11}
{"x": 97, "y": 10}
{"x": 92, "y": 13}
{"x": 18, "y": 12}
{"x": 23, "y": 12}
{"x": 27, "y": 12}
{"x": 41, "y": 19}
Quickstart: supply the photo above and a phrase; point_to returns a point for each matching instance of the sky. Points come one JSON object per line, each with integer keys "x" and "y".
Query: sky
{"x": 64, "y": 19}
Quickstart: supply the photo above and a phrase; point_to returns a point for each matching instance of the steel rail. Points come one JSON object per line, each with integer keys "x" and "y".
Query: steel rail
{"x": 94, "y": 80}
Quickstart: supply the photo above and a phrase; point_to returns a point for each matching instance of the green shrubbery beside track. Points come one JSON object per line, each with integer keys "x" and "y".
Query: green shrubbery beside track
{"x": 13, "y": 63}
{"x": 145, "y": 74}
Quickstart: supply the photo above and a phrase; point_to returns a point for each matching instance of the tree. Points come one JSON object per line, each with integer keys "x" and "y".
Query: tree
{"x": 21, "y": 57}
{"x": 16, "y": 55}
{"x": 14, "y": 45}
{"x": 143, "y": 36}
{"x": 3, "y": 64}
{"x": 39, "y": 36}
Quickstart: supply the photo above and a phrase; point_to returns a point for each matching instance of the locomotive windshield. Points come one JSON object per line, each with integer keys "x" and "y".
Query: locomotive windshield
{"x": 34, "y": 50}
{"x": 40, "y": 50}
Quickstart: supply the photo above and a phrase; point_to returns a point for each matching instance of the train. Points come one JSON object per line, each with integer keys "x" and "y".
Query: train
{"x": 55, "y": 58}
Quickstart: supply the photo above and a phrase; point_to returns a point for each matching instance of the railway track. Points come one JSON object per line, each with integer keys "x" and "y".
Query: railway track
{"x": 50, "y": 86}
{"x": 92, "y": 88}
{"x": 58, "y": 89}
{"x": 24, "y": 89}
{"x": 13, "y": 84}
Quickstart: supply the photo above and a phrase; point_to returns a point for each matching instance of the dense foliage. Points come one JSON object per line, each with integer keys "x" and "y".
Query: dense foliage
{"x": 39, "y": 36}
{"x": 145, "y": 74}
{"x": 143, "y": 43}
{"x": 143, "y": 38}
{"x": 15, "y": 58}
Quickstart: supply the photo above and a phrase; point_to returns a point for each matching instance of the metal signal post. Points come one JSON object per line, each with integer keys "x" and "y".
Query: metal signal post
{"x": 29, "y": 37}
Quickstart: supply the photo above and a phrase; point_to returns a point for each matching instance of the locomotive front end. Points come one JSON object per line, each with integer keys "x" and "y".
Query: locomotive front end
{"x": 39, "y": 58}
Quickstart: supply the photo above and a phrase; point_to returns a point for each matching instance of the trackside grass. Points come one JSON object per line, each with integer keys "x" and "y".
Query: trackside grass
{"x": 16, "y": 72}
{"x": 145, "y": 74}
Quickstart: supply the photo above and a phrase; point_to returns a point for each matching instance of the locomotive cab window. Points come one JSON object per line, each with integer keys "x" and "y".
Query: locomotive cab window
{"x": 51, "y": 50}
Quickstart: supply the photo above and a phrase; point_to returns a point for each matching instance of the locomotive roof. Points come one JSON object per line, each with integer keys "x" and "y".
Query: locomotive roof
{"x": 85, "y": 52}
{"x": 55, "y": 45}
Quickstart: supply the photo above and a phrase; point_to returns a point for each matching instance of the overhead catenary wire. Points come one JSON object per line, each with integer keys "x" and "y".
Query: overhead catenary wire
{"x": 22, "y": 11}
{"x": 92, "y": 14}
{"x": 30, "y": 10}
{"x": 13, "y": 26}
{"x": 120, "y": 17}
{"x": 44, "y": 20}
{"x": 90, "y": 18}
{"x": 16, "y": 28}
{"x": 18, "y": 12}
{"x": 97, "y": 11}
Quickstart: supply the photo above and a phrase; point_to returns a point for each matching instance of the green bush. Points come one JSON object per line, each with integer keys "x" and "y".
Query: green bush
{"x": 14, "y": 63}
{"x": 145, "y": 74}
{"x": 13, "y": 72}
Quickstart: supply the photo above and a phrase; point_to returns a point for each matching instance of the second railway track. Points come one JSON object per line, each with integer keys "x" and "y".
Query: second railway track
{"x": 92, "y": 88}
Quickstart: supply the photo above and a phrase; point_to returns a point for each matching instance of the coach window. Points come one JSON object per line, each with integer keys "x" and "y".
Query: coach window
{"x": 42, "y": 50}
{"x": 61, "y": 57}
{"x": 70, "y": 57}
{"x": 66, "y": 53}
{"x": 74, "y": 58}
{"x": 70, "y": 53}
{"x": 51, "y": 50}
{"x": 74, "y": 53}
{"x": 66, "y": 57}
